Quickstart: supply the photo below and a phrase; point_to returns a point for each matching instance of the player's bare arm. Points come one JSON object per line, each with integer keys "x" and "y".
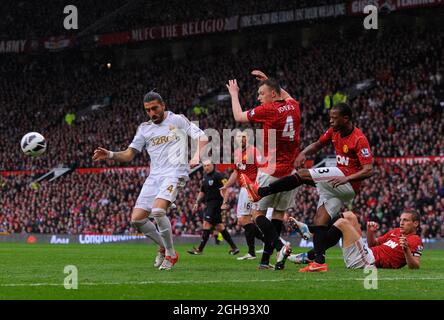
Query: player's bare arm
{"x": 224, "y": 190}
{"x": 366, "y": 172}
{"x": 120, "y": 156}
{"x": 202, "y": 142}
{"x": 412, "y": 262}
{"x": 259, "y": 75}
{"x": 231, "y": 181}
{"x": 312, "y": 149}
{"x": 372, "y": 227}
{"x": 233, "y": 89}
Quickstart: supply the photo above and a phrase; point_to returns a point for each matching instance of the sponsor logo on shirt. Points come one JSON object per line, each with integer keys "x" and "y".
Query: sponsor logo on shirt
{"x": 342, "y": 160}
{"x": 390, "y": 243}
{"x": 155, "y": 141}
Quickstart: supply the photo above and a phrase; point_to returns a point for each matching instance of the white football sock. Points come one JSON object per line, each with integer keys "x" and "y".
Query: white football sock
{"x": 164, "y": 225}
{"x": 148, "y": 228}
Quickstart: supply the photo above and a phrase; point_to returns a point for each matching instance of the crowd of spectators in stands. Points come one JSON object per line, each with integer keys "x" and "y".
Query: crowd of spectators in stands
{"x": 398, "y": 115}
{"x": 27, "y": 19}
{"x": 102, "y": 203}
{"x": 401, "y": 116}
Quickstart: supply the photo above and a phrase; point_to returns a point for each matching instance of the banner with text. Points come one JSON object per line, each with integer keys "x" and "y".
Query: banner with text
{"x": 356, "y": 7}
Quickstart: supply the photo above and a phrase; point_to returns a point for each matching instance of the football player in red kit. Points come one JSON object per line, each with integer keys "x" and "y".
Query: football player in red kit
{"x": 247, "y": 160}
{"x": 393, "y": 250}
{"x": 337, "y": 186}
{"x": 278, "y": 114}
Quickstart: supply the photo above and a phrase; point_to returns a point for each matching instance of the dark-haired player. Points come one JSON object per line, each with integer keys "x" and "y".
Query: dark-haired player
{"x": 337, "y": 186}
{"x": 165, "y": 139}
{"x": 246, "y": 160}
{"x": 279, "y": 114}
{"x": 393, "y": 250}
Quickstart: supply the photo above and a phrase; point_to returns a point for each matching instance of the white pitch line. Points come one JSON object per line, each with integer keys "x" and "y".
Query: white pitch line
{"x": 206, "y": 282}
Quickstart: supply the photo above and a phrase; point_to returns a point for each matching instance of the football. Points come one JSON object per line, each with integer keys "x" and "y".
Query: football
{"x": 33, "y": 144}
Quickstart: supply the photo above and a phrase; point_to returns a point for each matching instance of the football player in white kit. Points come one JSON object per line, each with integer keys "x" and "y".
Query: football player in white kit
{"x": 165, "y": 139}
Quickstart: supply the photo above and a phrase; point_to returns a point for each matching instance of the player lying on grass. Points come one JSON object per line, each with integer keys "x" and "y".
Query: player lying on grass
{"x": 336, "y": 186}
{"x": 393, "y": 250}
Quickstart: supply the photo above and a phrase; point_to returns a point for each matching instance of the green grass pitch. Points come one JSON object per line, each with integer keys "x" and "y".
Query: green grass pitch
{"x": 125, "y": 271}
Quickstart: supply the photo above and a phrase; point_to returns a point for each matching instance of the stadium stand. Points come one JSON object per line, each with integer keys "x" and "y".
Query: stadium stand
{"x": 401, "y": 115}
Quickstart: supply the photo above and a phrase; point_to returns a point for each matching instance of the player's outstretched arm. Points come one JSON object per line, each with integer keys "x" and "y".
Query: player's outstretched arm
{"x": 233, "y": 89}
{"x": 202, "y": 142}
{"x": 224, "y": 190}
{"x": 262, "y": 76}
{"x": 312, "y": 149}
{"x": 231, "y": 180}
{"x": 120, "y": 156}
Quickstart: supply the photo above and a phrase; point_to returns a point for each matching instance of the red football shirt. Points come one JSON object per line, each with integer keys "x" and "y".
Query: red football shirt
{"x": 389, "y": 253}
{"x": 352, "y": 151}
{"x": 285, "y": 118}
{"x": 247, "y": 162}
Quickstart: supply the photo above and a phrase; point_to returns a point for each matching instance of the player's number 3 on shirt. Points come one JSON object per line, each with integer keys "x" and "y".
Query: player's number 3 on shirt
{"x": 289, "y": 128}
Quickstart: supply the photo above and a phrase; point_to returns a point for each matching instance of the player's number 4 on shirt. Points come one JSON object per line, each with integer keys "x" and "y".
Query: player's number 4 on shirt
{"x": 289, "y": 128}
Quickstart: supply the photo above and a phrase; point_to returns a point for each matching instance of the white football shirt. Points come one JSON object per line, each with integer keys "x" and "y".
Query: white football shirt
{"x": 167, "y": 144}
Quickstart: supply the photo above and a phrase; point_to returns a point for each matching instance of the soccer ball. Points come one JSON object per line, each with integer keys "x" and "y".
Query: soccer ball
{"x": 33, "y": 144}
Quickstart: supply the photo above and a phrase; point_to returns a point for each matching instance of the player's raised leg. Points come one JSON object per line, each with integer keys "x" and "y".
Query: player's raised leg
{"x": 355, "y": 251}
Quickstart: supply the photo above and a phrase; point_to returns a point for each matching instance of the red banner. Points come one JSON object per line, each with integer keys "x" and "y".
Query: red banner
{"x": 409, "y": 160}
{"x": 20, "y": 172}
{"x": 186, "y": 29}
{"x": 113, "y": 38}
{"x": 223, "y": 166}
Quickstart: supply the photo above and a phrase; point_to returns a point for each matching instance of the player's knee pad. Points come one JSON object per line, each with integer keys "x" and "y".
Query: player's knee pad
{"x": 158, "y": 212}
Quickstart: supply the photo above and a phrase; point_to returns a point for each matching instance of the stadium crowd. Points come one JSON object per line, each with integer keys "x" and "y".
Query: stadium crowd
{"x": 101, "y": 203}
{"x": 28, "y": 20}
{"x": 399, "y": 116}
